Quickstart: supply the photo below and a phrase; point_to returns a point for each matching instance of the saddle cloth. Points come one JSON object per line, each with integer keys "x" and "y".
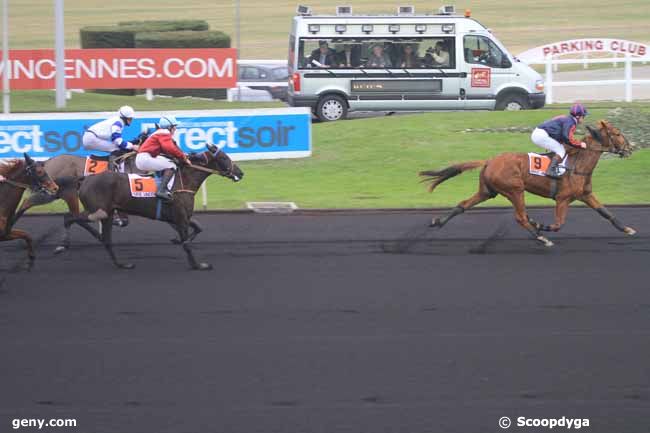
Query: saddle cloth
{"x": 95, "y": 165}
{"x": 146, "y": 186}
{"x": 538, "y": 163}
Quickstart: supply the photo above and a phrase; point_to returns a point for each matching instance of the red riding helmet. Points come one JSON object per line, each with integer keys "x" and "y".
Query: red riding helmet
{"x": 578, "y": 110}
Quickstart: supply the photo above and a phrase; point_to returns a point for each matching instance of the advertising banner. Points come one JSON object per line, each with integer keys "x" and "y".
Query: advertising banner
{"x": 136, "y": 68}
{"x": 244, "y": 134}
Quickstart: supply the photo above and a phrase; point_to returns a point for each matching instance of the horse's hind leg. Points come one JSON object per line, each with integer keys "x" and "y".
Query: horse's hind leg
{"x": 591, "y": 201}
{"x": 464, "y": 205}
{"x": 518, "y": 202}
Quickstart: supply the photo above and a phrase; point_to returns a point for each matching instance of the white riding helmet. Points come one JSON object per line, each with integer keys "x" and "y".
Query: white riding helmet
{"x": 126, "y": 112}
{"x": 168, "y": 122}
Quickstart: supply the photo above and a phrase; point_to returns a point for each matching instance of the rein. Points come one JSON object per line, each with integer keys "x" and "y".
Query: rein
{"x": 203, "y": 169}
{"x": 16, "y": 184}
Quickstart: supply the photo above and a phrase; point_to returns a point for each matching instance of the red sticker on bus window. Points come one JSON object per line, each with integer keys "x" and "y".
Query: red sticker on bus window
{"x": 481, "y": 77}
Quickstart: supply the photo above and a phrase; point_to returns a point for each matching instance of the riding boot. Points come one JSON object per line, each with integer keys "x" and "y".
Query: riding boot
{"x": 553, "y": 170}
{"x": 163, "y": 192}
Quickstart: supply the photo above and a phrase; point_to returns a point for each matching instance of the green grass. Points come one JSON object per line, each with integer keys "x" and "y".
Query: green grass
{"x": 265, "y": 25}
{"x": 373, "y": 163}
{"x": 34, "y": 101}
{"x": 352, "y": 167}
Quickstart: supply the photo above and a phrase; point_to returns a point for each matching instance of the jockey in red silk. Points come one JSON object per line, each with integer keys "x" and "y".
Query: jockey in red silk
{"x": 152, "y": 154}
{"x": 558, "y": 131}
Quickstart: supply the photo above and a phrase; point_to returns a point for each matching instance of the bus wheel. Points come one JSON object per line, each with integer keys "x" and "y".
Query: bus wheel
{"x": 512, "y": 102}
{"x": 331, "y": 107}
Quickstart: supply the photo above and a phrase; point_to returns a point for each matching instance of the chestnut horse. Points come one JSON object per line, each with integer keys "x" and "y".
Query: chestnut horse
{"x": 508, "y": 174}
{"x": 17, "y": 176}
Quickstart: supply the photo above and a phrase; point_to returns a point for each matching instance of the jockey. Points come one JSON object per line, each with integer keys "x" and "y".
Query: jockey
{"x": 149, "y": 156}
{"x": 106, "y": 135}
{"x": 556, "y": 132}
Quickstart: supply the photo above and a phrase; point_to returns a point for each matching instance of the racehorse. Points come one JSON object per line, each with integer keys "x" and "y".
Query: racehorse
{"x": 103, "y": 193}
{"x": 509, "y": 174}
{"x": 17, "y": 176}
{"x": 67, "y": 170}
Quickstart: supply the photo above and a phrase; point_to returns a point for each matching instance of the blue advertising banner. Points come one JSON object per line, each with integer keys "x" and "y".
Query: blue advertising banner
{"x": 243, "y": 134}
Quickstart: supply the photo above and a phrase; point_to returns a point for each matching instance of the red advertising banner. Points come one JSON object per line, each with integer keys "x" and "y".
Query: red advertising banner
{"x": 136, "y": 68}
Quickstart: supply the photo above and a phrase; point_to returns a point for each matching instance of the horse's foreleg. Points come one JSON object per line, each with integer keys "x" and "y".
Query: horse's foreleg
{"x": 477, "y": 198}
{"x": 196, "y": 229}
{"x": 21, "y": 234}
{"x": 83, "y": 220}
{"x": 71, "y": 198}
{"x": 107, "y": 232}
{"x": 183, "y": 232}
{"x": 518, "y": 202}
{"x": 561, "y": 209}
{"x": 591, "y": 201}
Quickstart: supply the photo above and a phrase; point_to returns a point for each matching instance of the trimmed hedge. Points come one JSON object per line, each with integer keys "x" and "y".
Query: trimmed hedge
{"x": 157, "y": 34}
{"x": 107, "y": 37}
{"x": 167, "y": 25}
{"x": 183, "y": 39}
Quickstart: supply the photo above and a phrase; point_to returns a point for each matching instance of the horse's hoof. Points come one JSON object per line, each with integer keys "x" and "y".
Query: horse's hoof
{"x": 435, "y": 223}
{"x": 545, "y": 241}
{"x": 61, "y": 249}
{"x": 203, "y": 267}
{"x": 629, "y": 231}
{"x": 126, "y": 266}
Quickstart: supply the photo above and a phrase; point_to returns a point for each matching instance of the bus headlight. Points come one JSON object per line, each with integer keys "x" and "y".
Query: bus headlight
{"x": 539, "y": 85}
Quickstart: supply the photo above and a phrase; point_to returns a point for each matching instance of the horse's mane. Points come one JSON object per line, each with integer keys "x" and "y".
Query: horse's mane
{"x": 8, "y": 167}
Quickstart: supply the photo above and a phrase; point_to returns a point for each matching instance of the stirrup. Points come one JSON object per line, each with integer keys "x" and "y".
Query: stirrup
{"x": 164, "y": 195}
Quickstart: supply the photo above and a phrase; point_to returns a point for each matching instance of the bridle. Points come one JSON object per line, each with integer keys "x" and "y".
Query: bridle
{"x": 225, "y": 173}
{"x": 600, "y": 149}
{"x": 228, "y": 173}
{"x": 37, "y": 181}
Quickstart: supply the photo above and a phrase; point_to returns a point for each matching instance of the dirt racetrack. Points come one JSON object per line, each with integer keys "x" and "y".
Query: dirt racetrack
{"x": 332, "y": 322}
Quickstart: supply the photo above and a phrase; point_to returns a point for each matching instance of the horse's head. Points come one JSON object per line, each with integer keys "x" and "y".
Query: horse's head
{"x": 219, "y": 160}
{"x": 40, "y": 180}
{"x": 610, "y": 138}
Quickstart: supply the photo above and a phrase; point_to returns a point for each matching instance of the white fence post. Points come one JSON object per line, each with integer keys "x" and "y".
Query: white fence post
{"x": 628, "y": 79}
{"x": 549, "y": 81}
{"x": 149, "y": 94}
{"x": 204, "y": 195}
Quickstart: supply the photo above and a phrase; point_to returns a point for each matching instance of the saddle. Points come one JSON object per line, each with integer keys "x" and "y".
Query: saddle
{"x": 96, "y": 164}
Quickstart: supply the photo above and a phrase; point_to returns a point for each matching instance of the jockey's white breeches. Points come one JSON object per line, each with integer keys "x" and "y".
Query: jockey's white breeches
{"x": 145, "y": 162}
{"x": 543, "y": 140}
{"x": 92, "y": 142}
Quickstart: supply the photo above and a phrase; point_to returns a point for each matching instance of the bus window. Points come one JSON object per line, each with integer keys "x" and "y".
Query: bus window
{"x": 378, "y": 53}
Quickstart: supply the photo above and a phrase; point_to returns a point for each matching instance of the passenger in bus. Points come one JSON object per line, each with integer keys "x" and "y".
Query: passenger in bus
{"x": 378, "y": 59}
{"x": 409, "y": 58}
{"x": 437, "y": 57}
{"x": 349, "y": 57}
{"x": 323, "y": 57}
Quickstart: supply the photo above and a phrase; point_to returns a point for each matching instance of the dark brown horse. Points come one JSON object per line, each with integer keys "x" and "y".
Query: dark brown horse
{"x": 17, "y": 176}
{"x": 67, "y": 170}
{"x": 508, "y": 174}
{"x": 106, "y": 192}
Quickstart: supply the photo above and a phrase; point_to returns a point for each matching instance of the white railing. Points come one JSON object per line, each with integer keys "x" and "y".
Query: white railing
{"x": 627, "y": 79}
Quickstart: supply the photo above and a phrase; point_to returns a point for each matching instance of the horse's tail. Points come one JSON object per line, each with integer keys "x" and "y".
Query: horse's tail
{"x": 438, "y": 177}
